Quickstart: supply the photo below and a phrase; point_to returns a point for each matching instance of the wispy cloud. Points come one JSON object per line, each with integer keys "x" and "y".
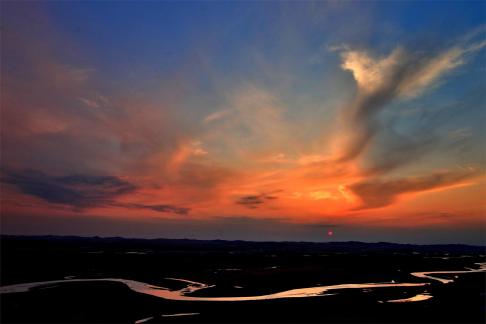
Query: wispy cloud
{"x": 401, "y": 75}
{"x": 217, "y": 115}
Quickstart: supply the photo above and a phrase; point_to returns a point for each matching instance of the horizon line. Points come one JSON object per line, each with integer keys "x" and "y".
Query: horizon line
{"x": 226, "y": 240}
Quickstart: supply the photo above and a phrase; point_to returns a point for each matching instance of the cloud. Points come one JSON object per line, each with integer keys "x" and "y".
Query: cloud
{"x": 253, "y": 201}
{"x": 81, "y": 191}
{"x": 63, "y": 114}
{"x": 204, "y": 176}
{"x": 322, "y": 195}
{"x": 394, "y": 149}
{"x": 217, "y": 115}
{"x": 380, "y": 80}
{"x": 76, "y": 190}
{"x": 460, "y": 133}
{"x": 251, "y": 122}
{"x": 377, "y": 193}
{"x": 371, "y": 74}
{"x": 158, "y": 208}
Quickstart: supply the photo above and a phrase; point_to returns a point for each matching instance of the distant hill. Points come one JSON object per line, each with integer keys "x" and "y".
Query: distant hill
{"x": 50, "y": 241}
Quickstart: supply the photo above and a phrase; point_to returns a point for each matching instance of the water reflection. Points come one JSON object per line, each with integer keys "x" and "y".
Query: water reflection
{"x": 415, "y": 298}
{"x": 192, "y": 286}
{"x": 143, "y": 320}
{"x": 179, "y": 314}
{"x": 183, "y": 294}
{"x": 427, "y": 275}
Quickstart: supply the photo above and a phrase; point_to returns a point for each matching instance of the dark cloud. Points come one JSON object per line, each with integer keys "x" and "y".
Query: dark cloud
{"x": 80, "y": 190}
{"x": 250, "y": 201}
{"x": 158, "y": 208}
{"x": 380, "y": 193}
{"x": 253, "y": 201}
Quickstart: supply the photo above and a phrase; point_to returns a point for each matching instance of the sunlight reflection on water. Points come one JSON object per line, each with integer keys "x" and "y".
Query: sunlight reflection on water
{"x": 415, "y": 298}
{"x": 193, "y": 286}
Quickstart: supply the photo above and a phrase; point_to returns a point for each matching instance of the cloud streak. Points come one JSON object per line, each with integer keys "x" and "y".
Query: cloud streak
{"x": 81, "y": 191}
{"x": 253, "y": 201}
{"x": 158, "y": 208}
{"x": 377, "y": 193}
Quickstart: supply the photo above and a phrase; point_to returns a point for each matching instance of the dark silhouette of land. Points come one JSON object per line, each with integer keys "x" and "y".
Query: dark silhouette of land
{"x": 237, "y": 268}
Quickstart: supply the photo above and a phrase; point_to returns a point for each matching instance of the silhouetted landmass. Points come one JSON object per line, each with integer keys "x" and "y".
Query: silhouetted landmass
{"x": 190, "y": 244}
{"x": 236, "y": 268}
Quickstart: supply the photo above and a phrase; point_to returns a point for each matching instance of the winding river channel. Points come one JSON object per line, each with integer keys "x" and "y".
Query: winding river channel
{"x": 192, "y": 286}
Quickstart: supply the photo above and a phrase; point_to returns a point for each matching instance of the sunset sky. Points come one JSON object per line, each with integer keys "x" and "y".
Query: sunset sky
{"x": 245, "y": 120}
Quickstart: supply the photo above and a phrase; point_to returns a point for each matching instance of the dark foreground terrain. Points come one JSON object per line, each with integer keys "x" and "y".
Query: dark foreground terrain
{"x": 234, "y": 269}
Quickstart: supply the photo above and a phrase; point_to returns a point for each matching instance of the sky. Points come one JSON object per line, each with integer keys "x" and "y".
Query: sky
{"x": 269, "y": 121}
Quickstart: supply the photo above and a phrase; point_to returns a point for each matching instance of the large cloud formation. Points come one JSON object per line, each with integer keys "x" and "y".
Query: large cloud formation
{"x": 383, "y": 81}
{"x": 400, "y": 75}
